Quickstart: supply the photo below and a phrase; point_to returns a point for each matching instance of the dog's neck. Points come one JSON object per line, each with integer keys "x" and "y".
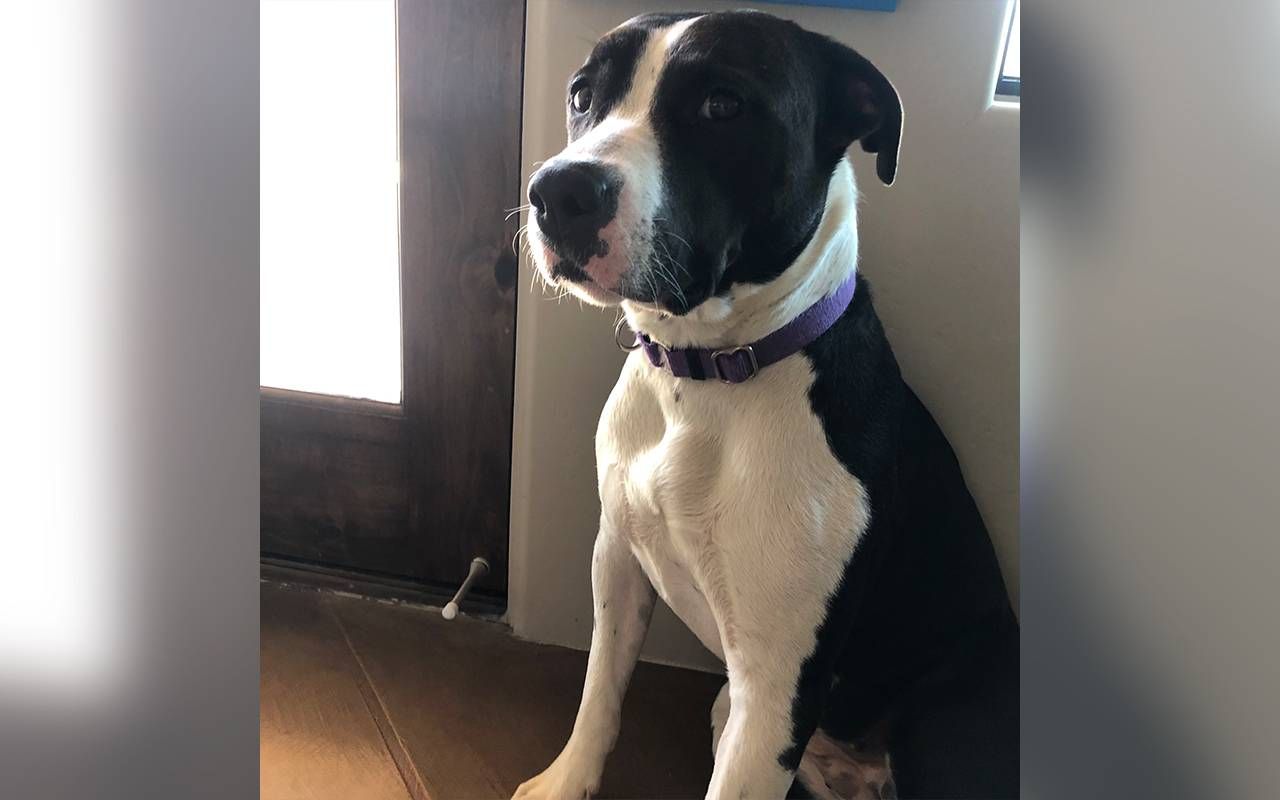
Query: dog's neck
{"x": 747, "y": 313}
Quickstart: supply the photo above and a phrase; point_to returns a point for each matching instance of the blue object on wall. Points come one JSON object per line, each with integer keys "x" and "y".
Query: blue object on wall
{"x": 868, "y": 5}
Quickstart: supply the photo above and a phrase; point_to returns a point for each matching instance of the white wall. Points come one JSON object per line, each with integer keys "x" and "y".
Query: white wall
{"x": 940, "y": 247}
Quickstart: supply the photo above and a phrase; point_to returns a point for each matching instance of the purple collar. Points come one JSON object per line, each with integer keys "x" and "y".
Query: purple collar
{"x": 740, "y": 363}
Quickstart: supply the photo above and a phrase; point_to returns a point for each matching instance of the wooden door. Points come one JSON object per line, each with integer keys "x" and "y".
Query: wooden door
{"x": 410, "y": 492}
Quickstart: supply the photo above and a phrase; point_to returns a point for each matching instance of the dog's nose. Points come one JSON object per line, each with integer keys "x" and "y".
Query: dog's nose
{"x": 572, "y": 202}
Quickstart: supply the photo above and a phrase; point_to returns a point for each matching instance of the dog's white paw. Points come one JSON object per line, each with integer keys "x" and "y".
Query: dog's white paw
{"x": 568, "y": 778}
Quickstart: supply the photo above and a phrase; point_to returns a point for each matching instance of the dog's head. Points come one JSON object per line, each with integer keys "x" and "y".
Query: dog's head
{"x": 700, "y": 150}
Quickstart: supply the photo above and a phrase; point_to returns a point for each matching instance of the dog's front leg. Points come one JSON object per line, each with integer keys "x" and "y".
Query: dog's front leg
{"x": 623, "y": 599}
{"x": 754, "y": 755}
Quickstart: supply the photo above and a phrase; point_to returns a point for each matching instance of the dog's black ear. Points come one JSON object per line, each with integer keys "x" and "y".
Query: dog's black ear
{"x": 858, "y": 103}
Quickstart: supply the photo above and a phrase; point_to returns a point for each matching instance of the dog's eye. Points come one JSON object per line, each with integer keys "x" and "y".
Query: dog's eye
{"x": 581, "y": 99}
{"x": 720, "y": 105}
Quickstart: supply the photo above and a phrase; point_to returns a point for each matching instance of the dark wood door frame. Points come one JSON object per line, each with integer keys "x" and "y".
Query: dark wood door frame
{"x": 414, "y": 491}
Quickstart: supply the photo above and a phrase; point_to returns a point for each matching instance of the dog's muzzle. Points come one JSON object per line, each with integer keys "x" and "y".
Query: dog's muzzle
{"x": 572, "y": 202}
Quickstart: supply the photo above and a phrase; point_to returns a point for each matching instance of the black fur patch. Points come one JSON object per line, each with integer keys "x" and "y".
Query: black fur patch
{"x": 919, "y": 634}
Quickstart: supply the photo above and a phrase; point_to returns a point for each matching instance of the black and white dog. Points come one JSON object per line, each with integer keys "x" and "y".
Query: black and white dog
{"x": 803, "y": 515}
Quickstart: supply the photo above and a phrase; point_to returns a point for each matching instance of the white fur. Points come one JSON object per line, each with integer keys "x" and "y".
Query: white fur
{"x": 625, "y": 141}
{"x": 732, "y": 504}
{"x": 741, "y": 517}
{"x": 728, "y": 502}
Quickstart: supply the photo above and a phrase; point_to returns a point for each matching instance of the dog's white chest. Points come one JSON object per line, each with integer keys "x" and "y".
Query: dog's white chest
{"x": 723, "y": 489}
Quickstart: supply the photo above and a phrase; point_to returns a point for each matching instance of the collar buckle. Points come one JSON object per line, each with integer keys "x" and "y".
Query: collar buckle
{"x": 753, "y": 367}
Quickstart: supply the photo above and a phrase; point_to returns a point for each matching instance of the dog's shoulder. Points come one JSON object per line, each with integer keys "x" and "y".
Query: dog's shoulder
{"x": 858, "y": 392}
{"x": 924, "y": 586}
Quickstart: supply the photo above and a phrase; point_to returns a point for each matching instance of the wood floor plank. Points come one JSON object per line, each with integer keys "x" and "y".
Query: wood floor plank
{"x": 318, "y": 738}
{"x": 479, "y": 711}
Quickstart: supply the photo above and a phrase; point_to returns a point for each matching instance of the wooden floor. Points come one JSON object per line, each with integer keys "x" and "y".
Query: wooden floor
{"x": 364, "y": 699}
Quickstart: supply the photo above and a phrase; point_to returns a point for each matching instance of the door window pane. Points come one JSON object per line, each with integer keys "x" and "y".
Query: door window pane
{"x": 330, "y": 274}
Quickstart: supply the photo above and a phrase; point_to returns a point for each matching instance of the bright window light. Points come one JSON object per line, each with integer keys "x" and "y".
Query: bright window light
{"x": 330, "y": 266}
{"x": 1009, "y": 81}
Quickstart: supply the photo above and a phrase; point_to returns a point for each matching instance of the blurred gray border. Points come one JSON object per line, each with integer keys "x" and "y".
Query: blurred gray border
{"x": 1149, "y": 374}
{"x": 181, "y": 720}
